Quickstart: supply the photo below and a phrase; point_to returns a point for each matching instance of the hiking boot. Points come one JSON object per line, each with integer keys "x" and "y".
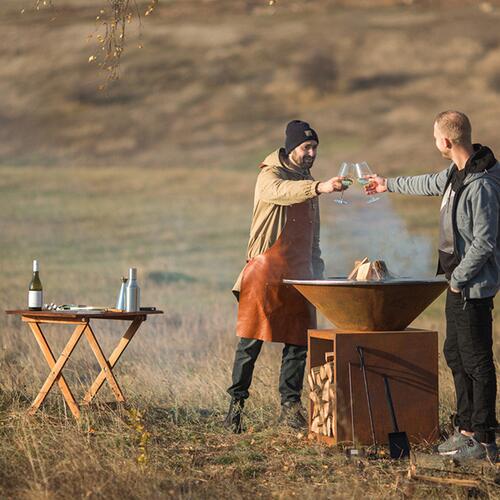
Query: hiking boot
{"x": 234, "y": 416}
{"x": 473, "y": 449}
{"x": 455, "y": 441}
{"x": 291, "y": 415}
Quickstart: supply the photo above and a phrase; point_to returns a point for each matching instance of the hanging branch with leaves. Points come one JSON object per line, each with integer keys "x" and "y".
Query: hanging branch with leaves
{"x": 112, "y": 22}
{"x": 112, "y": 40}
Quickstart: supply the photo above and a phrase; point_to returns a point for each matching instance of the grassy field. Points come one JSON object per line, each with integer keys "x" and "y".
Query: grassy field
{"x": 158, "y": 174}
{"x": 87, "y": 227}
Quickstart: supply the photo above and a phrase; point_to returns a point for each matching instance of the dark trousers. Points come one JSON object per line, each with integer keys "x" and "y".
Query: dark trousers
{"x": 468, "y": 350}
{"x": 293, "y": 363}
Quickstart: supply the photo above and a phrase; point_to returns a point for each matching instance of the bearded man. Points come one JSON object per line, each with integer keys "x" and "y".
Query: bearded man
{"x": 284, "y": 243}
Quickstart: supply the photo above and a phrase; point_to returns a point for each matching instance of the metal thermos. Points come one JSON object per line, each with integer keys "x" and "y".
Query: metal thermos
{"x": 120, "y": 303}
{"x": 132, "y": 292}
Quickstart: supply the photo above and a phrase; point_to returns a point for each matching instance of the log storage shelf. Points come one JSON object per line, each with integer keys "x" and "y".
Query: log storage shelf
{"x": 408, "y": 358}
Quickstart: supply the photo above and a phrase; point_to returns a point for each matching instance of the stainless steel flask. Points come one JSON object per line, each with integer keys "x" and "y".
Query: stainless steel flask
{"x": 120, "y": 303}
{"x": 132, "y": 292}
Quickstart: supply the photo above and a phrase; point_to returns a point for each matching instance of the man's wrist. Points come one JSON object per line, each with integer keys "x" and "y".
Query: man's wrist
{"x": 316, "y": 188}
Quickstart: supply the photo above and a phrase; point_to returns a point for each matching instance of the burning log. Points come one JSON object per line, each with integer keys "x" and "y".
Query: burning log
{"x": 364, "y": 270}
{"x": 322, "y": 395}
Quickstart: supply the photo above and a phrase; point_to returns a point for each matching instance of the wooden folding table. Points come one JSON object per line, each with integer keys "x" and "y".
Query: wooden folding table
{"x": 81, "y": 320}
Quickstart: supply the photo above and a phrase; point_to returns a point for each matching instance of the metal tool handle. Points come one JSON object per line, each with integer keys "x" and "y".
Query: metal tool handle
{"x": 352, "y": 403}
{"x": 389, "y": 403}
{"x": 367, "y": 392}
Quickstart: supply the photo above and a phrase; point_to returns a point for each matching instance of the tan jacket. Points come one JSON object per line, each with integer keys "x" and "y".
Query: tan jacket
{"x": 277, "y": 187}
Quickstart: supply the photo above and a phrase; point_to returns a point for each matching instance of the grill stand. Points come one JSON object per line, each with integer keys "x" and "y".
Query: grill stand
{"x": 409, "y": 358}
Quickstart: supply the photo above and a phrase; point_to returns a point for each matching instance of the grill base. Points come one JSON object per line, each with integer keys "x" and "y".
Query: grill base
{"x": 409, "y": 358}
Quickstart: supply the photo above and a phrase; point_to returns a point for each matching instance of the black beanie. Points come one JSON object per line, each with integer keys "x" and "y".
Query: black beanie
{"x": 298, "y": 132}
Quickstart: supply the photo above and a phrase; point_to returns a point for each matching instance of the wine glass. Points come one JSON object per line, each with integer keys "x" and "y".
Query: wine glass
{"x": 361, "y": 171}
{"x": 345, "y": 171}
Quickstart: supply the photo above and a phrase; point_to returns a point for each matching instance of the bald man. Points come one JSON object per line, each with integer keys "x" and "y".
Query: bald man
{"x": 469, "y": 257}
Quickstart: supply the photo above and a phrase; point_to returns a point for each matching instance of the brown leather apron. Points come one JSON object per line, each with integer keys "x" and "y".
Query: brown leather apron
{"x": 270, "y": 310}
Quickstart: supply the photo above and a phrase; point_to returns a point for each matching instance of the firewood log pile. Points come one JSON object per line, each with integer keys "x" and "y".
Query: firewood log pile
{"x": 322, "y": 395}
{"x": 364, "y": 270}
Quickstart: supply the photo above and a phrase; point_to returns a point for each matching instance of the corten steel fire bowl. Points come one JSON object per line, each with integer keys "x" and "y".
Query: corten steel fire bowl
{"x": 370, "y": 305}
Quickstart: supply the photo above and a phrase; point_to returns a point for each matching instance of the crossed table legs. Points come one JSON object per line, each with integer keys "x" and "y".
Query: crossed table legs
{"x": 56, "y": 367}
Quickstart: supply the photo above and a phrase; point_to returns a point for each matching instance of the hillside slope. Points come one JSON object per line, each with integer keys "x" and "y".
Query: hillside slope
{"x": 216, "y": 82}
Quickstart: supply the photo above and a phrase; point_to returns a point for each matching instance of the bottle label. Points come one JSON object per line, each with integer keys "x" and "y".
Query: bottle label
{"x": 34, "y": 298}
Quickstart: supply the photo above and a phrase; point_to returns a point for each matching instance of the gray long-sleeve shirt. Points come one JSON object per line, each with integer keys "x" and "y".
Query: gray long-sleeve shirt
{"x": 475, "y": 226}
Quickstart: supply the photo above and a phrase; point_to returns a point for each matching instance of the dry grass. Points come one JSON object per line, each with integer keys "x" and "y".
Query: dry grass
{"x": 200, "y": 106}
{"x": 87, "y": 227}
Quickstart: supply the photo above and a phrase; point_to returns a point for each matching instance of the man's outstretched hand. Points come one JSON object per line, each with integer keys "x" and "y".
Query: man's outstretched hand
{"x": 331, "y": 185}
{"x": 377, "y": 184}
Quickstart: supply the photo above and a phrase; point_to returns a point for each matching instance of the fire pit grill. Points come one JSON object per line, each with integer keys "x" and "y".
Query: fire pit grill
{"x": 386, "y": 305}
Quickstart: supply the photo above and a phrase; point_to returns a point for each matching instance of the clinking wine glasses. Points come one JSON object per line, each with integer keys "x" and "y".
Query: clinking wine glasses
{"x": 361, "y": 170}
{"x": 346, "y": 171}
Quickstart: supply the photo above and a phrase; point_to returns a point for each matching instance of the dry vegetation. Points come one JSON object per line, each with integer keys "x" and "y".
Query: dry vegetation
{"x": 200, "y": 105}
{"x": 88, "y": 226}
{"x": 215, "y": 82}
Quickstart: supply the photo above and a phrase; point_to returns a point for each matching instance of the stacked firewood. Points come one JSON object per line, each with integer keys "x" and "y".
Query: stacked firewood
{"x": 364, "y": 270}
{"x": 322, "y": 395}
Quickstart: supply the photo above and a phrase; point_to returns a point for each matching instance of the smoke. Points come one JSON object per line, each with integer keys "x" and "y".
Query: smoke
{"x": 373, "y": 230}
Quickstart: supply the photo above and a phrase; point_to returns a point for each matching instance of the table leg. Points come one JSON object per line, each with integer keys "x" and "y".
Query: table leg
{"x": 103, "y": 362}
{"x": 56, "y": 368}
{"x": 49, "y": 356}
{"x": 113, "y": 359}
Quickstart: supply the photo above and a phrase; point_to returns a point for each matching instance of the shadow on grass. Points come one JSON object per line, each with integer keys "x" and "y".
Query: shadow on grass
{"x": 167, "y": 277}
{"x": 181, "y": 415}
{"x": 383, "y": 80}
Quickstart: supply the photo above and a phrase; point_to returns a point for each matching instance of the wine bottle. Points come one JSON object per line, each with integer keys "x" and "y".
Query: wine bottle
{"x": 35, "y": 290}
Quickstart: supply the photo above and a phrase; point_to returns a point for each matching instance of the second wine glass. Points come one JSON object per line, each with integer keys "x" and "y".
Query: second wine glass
{"x": 346, "y": 172}
{"x": 362, "y": 170}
